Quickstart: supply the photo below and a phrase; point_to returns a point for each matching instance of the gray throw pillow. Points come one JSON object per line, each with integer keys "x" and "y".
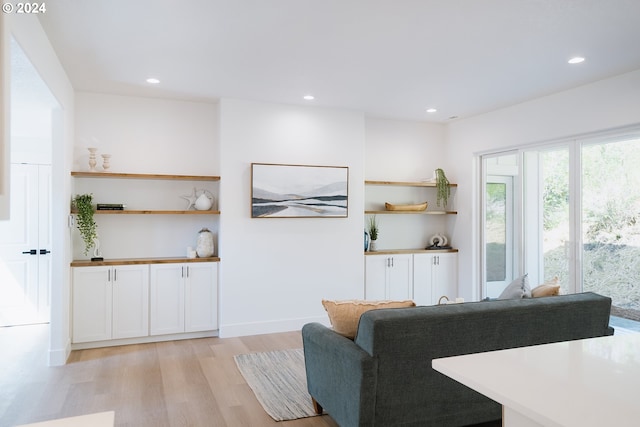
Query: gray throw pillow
{"x": 517, "y": 289}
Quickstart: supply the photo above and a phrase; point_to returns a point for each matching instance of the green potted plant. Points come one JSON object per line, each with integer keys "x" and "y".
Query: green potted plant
{"x": 82, "y": 204}
{"x": 373, "y": 233}
{"x": 442, "y": 187}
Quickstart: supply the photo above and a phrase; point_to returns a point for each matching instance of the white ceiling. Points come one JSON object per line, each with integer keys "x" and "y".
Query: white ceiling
{"x": 387, "y": 58}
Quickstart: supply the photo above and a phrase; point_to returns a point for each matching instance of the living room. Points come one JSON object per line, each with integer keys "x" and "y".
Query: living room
{"x": 265, "y": 284}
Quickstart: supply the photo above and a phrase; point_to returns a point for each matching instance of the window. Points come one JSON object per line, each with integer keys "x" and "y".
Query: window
{"x": 579, "y": 216}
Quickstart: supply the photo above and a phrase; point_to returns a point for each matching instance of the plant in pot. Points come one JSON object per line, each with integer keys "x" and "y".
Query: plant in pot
{"x": 82, "y": 204}
{"x": 442, "y": 187}
{"x": 373, "y": 233}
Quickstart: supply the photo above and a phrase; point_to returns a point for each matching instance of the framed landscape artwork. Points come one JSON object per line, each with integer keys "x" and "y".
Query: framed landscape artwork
{"x": 298, "y": 191}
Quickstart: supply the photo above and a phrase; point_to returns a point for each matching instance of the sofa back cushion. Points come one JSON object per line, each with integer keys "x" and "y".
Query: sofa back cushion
{"x": 404, "y": 341}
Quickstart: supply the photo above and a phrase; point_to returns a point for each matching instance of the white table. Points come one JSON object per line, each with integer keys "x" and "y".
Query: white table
{"x": 592, "y": 382}
{"x": 100, "y": 419}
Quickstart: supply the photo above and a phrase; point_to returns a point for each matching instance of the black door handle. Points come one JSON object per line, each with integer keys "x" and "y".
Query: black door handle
{"x": 31, "y": 252}
{"x": 44, "y": 252}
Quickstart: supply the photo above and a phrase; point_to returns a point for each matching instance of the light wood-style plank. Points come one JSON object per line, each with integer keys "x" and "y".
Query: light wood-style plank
{"x": 175, "y": 383}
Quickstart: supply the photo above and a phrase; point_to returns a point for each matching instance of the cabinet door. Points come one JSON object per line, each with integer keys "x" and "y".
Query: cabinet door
{"x": 130, "y": 301}
{"x": 400, "y": 277}
{"x": 422, "y": 284}
{"x": 375, "y": 277}
{"x": 201, "y": 297}
{"x": 92, "y": 304}
{"x": 166, "y": 307}
{"x": 445, "y": 277}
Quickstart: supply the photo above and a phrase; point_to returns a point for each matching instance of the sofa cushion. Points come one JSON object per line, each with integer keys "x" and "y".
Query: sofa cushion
{"x": 517, "y": 289}
{"x": 548, "y": 288}
{"x": 345, "y": 315}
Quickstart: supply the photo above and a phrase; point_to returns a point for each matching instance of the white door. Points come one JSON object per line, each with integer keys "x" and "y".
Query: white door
{"x": 400, "y": 286}
{"x": 25, "y": 262}
{"x": 375, "y": 276}
{"x": 130, "y": 300}
{"x": 201, "y": 297}
{"x": 422, "y": 283}
{"x": 92, "y": 304}
{"x": 445, "y": 278}
{"x": 166, "y": 309}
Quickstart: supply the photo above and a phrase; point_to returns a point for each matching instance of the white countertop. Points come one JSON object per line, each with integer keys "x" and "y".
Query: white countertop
{"x": 593, "y": 382}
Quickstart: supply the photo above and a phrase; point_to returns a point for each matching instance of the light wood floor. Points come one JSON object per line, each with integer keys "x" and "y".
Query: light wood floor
{"x": 176, "y": 383}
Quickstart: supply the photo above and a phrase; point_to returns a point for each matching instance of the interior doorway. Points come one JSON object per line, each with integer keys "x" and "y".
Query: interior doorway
{"x": 25, "y": 239}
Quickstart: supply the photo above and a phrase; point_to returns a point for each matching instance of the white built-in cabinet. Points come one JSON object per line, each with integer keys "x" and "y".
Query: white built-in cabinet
{"x": 434, "y": 275}
{"x": 143, "y": 299}
{"x": 409, "y": 272}
{"x": 115, "y": 304}
{"x": 389, "y": 277}
{"x": 183, "y": 298}
{"x": 423, "y": 277}
{"x": 110, "y": 302}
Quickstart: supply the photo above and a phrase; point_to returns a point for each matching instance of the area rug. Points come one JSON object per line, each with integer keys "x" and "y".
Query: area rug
{"x": 279, "y": 381}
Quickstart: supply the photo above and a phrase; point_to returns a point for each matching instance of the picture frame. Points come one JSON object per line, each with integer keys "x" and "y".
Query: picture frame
{"x": 299, "y": 191}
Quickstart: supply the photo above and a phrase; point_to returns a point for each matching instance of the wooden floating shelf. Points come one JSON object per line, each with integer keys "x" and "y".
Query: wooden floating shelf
{"x": 409, "y": 251}
{"x": 406, "y": 183}
{"x": 144, "y": 176}
{"x": 384, "y": 212}
{"x": 154, "y": 212}
{"x": 133, "y": 261}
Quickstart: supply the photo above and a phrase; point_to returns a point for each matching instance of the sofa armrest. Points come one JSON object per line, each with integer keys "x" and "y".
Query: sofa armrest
{"x": 341, "y": 376}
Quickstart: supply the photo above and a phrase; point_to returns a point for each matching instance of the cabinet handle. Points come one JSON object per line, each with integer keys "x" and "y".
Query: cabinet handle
{"x": 187, "y": 272}
{"x": 391, "y": 262}
{"x": 115, "y": 275}
{"x": 108, "y": 275}
{"x": 182, "y": 271}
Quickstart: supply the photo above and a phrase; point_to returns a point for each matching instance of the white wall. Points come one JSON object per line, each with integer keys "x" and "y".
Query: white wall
{"x": 34, "y": 42}
{"x": 604, "y": 105}
{"x": 399, "y": 150}
{"x": 274, "y": 272}
{"x": 146, "y": 135}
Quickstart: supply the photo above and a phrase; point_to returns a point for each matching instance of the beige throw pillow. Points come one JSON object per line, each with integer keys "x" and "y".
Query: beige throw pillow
{"x": 345, "y": 315}
{"x": 548, "y": 288}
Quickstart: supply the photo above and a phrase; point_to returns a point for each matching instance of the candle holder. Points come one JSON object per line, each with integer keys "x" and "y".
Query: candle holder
{"x": 105, "y": 162}
{"x": 92, "y": 159}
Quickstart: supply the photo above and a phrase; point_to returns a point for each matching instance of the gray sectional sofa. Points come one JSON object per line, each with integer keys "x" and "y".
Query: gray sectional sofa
{"x": 384, "y": 376}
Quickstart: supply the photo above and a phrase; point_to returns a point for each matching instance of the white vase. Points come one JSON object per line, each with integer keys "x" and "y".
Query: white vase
{"x": 373, "y": 245}
{"x": 203, "y": 203}
{"x": 204, "y": 247}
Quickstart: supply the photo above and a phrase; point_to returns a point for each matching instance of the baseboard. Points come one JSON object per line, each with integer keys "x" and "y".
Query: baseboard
{"x": 59, "y": 357}
{"x": 144, "y": 340}
{"x": 270, "y": 327}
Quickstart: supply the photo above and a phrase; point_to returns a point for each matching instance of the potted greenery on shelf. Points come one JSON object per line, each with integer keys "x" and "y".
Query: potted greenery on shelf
{"x": 373, "y": 233}
{"x": 442, "y": 187}
{"x": 83, "y": 206}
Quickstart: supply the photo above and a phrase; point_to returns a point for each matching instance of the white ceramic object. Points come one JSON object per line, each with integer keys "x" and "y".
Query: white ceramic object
{"x": 440, "y": 238}
{"x": 106, "y": 162}
{"x": 204, "y": 247}
{"x": 203, "y": 202}
{"x": 92, "y": 159}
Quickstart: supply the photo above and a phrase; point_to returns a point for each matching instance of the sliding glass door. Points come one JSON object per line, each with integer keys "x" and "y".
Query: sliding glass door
{"x": 611, "y": 222}
{"x": 576, "y": 216}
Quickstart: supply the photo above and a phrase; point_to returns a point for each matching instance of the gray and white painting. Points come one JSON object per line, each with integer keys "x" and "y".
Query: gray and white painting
{"x": 285, "y": 191}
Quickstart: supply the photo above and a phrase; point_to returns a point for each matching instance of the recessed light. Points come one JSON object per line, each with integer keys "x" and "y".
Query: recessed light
{"x": 431, "y": 110}
{"x": 153, "y": 80}
{"x": 576, "y": 60}
{"x": 309, "y": 97}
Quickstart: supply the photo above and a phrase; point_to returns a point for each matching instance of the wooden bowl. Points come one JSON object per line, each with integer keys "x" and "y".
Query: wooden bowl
{"x": 412, "y": 208}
